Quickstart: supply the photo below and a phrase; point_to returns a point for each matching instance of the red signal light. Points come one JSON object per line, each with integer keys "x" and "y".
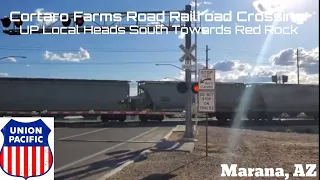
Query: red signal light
{"x": 195, "y": 88}
{"x": 79, "y": 21}
{"x": 18, "y": 23}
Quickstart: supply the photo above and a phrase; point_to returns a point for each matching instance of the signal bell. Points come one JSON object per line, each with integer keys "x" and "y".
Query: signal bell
{"x": 195, "y": 88}
{"x": 6, "y": 22}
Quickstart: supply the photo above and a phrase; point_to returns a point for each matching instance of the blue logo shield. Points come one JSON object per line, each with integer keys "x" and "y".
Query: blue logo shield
{"x": 26, "y": 152}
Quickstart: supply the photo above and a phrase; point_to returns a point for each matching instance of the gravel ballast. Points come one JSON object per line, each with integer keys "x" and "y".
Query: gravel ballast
{"x": 247, "y": 148}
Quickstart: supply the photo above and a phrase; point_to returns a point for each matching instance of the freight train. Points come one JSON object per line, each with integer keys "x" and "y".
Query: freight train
{"x": 110, "y": 99}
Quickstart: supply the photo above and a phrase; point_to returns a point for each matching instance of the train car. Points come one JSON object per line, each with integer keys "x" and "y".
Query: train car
{"x": 66, "y": 97}
{"x": 163, "y": 96}
{"x": 30, "y": 94}
{"x": 60, "y": 96}
{"x": 228, "y": 98}
{"x": 268, "y": 101}
{"x": 160, "y": 96}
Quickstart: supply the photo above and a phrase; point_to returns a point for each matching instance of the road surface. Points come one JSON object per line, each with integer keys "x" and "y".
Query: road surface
{"x": 89, "y": 153}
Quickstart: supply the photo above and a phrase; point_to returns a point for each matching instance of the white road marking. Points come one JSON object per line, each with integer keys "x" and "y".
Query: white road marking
{"x": 101, "y": 152}
{"x": 82, "y": 134}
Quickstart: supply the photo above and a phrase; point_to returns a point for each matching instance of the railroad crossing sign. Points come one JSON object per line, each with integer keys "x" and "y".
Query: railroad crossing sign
{"x": 188, "y": 53}
{"x": 207, "y": 79}
{"x": 206, "y": 95}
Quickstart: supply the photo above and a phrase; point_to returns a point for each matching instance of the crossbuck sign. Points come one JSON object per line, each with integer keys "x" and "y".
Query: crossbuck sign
{"x": 207, "y": 91}
{"x": 188, "y": 53}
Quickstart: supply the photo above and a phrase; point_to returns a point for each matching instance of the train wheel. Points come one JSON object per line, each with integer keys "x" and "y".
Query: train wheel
{"x": 104, "y": 119}
{"x": 123, "y": 118}
{"x": 251, "y": 116}
{"x": 221, "y": 119}
{"x": 143, "y": 118}
{"x": 160, "y": 118}
{"x": 269, "y": 117}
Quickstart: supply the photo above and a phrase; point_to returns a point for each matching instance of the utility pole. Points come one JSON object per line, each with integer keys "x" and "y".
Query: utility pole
{"x": 189, "y": 123}
{"x": 207, "y": 66}
{"x": 207, "y": 57}
{"x": 298, "y": 68}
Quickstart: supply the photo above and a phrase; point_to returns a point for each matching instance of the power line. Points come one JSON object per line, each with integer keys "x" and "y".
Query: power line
{"x": 91, "y": 50}
{"x": 156, "y": 50}
{"x": 105, "y": 63}
{"x": 82, "y": 63}
{"x": 110, "y": 63}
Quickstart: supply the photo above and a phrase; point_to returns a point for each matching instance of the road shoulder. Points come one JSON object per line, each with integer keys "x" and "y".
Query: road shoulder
{"x": 247, "y": 148}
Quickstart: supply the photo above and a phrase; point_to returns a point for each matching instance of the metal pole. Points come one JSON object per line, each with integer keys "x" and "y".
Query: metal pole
{"x": 189, "y": 124}
{"x": 298, "y": 68}
{"x": 207, "y": 66}
{"x": 196, "y": 42}
{"x": 196, "y": 63}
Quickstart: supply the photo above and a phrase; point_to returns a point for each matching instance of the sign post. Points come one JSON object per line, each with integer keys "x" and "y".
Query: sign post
{"x": 206, "y": 95}
{"x": 188, "y": 57}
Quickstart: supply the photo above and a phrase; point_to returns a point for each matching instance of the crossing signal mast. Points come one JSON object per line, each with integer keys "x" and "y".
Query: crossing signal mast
{"x": 17, "y": 29}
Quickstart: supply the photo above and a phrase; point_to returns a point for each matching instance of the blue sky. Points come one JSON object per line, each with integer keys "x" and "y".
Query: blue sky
{"x": 234, "y": 56}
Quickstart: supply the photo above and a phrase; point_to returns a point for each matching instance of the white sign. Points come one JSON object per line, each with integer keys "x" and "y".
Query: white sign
{"x": 188, "y": 53}
{"x": 207, "y": 79}
{"x": 206, "y": 102}
{"x": 188, "y": 66}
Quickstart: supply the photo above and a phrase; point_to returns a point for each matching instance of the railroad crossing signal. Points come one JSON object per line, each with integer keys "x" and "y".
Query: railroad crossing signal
{"x": 195, "y": 88}
{"x": 182, "y": 87}
{"x": 188, "y": 53}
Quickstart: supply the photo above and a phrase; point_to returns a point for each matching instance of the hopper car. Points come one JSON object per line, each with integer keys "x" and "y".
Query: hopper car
{"x": 110, "y": 99}
{"x": 268, "y": 101}
{"x": 256, "y": 101}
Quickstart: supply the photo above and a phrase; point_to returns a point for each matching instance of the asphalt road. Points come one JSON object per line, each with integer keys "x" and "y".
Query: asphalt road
{"x": 89, "y": 153}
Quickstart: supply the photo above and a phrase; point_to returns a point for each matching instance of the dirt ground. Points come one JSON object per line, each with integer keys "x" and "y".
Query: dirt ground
{"x": 247, "y": 148}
